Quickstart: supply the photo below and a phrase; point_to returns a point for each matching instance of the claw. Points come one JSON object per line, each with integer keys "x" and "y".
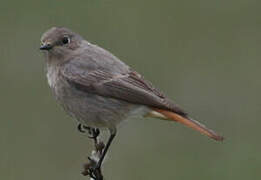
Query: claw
{"x": 80, "y": 128}
{"x": 94, "y": 133}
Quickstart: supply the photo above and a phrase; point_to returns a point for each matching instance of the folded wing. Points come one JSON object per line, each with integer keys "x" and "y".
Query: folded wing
{"x": 129, "y": 86}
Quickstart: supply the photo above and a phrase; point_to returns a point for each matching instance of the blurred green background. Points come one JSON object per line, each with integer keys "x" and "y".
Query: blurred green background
{"x": 205, "y": 54}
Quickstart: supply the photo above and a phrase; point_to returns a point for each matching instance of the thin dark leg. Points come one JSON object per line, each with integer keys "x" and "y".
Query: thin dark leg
{"x": 93, "y": 168}
{"x": 113, "y": 134}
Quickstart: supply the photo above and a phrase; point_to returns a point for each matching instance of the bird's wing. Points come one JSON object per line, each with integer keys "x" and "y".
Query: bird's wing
{"x": 129, "y": 86}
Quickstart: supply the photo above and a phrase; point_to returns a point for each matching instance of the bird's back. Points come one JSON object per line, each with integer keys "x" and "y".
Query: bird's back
{"x": 92, "y": 57}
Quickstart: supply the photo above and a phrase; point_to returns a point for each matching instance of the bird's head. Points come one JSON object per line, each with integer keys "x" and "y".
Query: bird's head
{"x": 59, "y": 42}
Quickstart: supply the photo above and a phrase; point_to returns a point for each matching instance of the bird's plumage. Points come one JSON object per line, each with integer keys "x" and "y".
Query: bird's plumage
{"x": 128, "y": 86}
{"x": 99, "y": 90}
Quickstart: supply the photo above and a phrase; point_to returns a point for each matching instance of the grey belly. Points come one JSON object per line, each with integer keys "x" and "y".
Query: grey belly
{"x": 97, "y": 111}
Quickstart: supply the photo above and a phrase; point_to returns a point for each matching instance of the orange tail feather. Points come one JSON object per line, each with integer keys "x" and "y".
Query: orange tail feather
{"x": 190, "y": 123}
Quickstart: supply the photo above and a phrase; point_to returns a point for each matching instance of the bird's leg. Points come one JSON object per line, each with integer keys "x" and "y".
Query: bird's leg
{"x": 90, "y": 167}
{"x": 93, "y": 134}
{"x": 99, "y": 145}
{"x": 93, "y": 168}
{"x": 112, "y": 135}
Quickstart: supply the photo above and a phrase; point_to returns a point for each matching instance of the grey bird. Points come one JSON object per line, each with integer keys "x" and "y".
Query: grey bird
{"x": 99, "y": 90}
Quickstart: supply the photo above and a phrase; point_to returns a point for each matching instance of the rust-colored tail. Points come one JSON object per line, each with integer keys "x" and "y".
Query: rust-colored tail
{"x": 190, "y": 123}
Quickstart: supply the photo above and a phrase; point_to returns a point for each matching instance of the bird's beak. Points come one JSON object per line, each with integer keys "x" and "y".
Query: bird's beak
{"x": 46, "y": 46}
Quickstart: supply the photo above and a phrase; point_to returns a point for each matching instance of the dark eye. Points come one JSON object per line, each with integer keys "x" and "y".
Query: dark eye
{"x": 66, "y": 40}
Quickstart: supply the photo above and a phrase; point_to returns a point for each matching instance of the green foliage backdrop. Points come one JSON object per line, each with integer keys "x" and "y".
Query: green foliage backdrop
{"x": 205, "y": 54}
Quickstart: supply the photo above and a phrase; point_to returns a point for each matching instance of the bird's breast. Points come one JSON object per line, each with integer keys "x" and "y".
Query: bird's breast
{"x": 52, "y": 76}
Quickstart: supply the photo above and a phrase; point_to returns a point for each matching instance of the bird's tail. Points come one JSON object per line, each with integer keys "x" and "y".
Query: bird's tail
{"x": 168, "y": 115}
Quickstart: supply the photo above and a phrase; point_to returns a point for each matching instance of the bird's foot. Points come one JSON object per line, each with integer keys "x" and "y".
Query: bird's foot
{"x": 94, "y": 133}
{"x": 81, "y": 128}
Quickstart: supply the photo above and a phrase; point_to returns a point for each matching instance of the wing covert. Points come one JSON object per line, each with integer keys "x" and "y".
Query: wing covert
{"x": 129, "y": 86}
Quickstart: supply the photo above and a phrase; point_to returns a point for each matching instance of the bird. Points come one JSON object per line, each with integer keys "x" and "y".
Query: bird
{"x": 99, "y": 90}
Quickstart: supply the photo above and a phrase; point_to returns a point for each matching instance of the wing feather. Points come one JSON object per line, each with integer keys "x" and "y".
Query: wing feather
{"x": 129, "y": 86}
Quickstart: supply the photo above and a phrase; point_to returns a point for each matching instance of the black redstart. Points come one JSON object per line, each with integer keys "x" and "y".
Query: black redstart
{"x": 99, "y": 90}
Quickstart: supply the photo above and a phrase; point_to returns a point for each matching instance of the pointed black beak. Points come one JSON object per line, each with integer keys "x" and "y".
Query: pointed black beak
{"x": 46, "y": 47}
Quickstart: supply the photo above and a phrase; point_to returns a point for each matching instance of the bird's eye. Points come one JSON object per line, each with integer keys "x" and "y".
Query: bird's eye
{"x": 66, "y": 40}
